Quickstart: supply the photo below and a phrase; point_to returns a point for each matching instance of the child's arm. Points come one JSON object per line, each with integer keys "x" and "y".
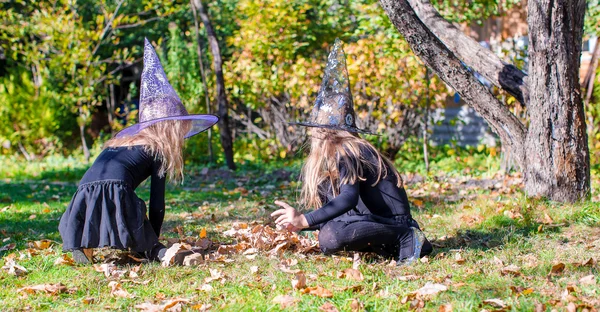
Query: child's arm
{"x": 156, "y": 213}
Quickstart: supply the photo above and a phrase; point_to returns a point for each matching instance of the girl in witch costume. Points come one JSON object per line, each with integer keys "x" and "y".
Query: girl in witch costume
{"x": 361, "y": 203}
{"x": 105, "y": 211}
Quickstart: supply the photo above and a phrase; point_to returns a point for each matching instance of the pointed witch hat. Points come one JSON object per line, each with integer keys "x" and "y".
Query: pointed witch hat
{"x": 334, "y": 107}
{"x": 160, "y": 102}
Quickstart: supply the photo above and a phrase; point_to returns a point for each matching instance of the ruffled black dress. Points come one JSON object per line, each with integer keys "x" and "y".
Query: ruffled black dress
{"x": 106, "y": 212}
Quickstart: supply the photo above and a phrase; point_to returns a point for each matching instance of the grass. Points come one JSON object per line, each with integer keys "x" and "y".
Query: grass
{"x": 479, "y": 224}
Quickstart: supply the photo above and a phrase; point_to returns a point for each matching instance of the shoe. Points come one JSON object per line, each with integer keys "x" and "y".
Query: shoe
{"x": 427, "y": 248}
{"x": 83, "y": 255}
{"x": 417, "y": 241}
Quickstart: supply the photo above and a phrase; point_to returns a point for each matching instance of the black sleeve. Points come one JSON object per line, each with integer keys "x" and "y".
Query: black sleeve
{"x": 156, "y": 213}
{"x": 344, "y": 202}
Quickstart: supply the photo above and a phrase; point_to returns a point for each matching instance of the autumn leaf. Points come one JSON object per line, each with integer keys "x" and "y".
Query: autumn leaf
{"x": 13, "y": 268}
{"x": 117, "y": 291}
{"x": 496, "y": 303}
{"x": 511, "y": 270}
{"x": 299, "y": 281}
{"x": 285, "y": 301}
{"x": 254, "y": 269}
{"x": 356, "y": 306}
{"x": 318, "y": 291}
{"x": 430, "y": 289}
{"x": 352, "y": 274}
{"x": 202, "y": 233}
{"x": 588, "y": 280}
{"x": 328, "y": 307}
{"x": 42, "y": 244}
{"x": 214, "y": 275}
{"x": 557, "y": 268}
{"x": 445, "y": 308}
{"x": 193, "y": 260}
{"x": 64, "y": 259}
{"x": 590, "y": 262}
{"x": 7, "y": 247}
{"x": 169, "y": 305}
{"x": 173, "y": 253}
{"x": 51, "y": 289}
{"x": 458, "y": 258}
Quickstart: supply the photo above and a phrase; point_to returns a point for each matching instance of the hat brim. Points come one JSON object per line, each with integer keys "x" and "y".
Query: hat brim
{"x": 333, "y": 127}
{"x": 200, "y": 123}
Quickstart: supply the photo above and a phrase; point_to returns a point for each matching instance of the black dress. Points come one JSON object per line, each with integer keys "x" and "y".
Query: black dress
{"x": 365, "y": 216}
{"x": 106, "y": 212}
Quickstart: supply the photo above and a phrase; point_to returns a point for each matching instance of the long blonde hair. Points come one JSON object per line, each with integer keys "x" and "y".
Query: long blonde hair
{"x": 329, "y": 148}
{"x": 164, "y": 140}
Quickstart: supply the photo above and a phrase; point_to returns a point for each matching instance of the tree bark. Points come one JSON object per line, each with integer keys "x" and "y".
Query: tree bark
{"x": 439, "y": 58}
{"x": 557, "y": 147}
{"x": 505, "y": 76}
{"x": 203, "y": 76}
{"x": 223, "y": 107}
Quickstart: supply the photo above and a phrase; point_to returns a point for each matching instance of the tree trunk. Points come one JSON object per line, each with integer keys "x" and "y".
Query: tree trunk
{"x": 489, "y": 65}
{"x": 556, "y": 162}
{"x": 203, "y": 76}
{"x": 437, "y": 56}
{"x": 223, "y": 107}
{"x": 557, "y": 149}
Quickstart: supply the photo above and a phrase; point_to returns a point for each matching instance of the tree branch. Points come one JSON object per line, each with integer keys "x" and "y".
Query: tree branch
{"x": 440, "y": 59}
{"x": 489, "y": 65}
{"x": 107, "y": 27}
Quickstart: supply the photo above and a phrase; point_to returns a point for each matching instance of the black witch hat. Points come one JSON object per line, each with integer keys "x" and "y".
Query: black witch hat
{"x": 334, "y": 108}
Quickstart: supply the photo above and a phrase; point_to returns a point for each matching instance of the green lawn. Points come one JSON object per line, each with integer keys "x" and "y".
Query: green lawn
{"x": 492, "y": 243}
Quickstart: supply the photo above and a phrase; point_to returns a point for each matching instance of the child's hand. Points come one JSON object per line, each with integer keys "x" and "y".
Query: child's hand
{"x": 289, "y": 217}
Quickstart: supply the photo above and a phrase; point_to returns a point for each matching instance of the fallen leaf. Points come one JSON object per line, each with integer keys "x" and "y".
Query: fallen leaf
{"x": 64, "y": 259}
{"x": 445, "y": 308}
{"x": 328, "y": 307}
{"x": 117, "y": 291}
{"x": 214, "y": 275}
{"x": 106, "y": 268}
{"x": 8, "y": 247}
{"x": 52, "y": 289}
{"x": 318, "y": 291}
{"x": 571, "y": 307}
{"x": 557, "y": 268}
{"x": 175, "y": 249}
{"x": 588, "y": 280}
{"x": 458, "y": 258}
{"x": 539, "y": 307}
{"x": 11, "y": 266}
{"x": 511, "y": 270}
{"x": 88, "y": 300}
{"x": 170, "y": 305}
{"x": 290, "y": 262}
{"x": 206, "y": 288}
{"x": 356, "y": 306}
{"x": 299, "y": 281}
{"x": 285, "y": 301}
{"x": 521, "y": 291}
{"x": 408, "y": 277}
{"x": 430, "y": 289}
{"x": 496, "y": 303}
{"x": 254, "y": 269}
{"x": 352, "y": 274}
{"x": 193, "y": 259}
{"x": 42, "y": 244}
{"x": 591, "y": 262}
{"x": 202, "y": 233}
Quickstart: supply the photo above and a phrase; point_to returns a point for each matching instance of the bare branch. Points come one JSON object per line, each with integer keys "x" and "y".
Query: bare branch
{"x": 502, "y": 75}
{"x": 439, "y": 58}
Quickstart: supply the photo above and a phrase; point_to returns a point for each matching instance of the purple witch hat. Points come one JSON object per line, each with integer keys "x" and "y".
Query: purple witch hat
{"x": 160, "y": 102}
{"x": 334, "y": 107}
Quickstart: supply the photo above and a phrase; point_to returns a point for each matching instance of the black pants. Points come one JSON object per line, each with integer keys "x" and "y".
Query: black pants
{"x": 384, "y": 239}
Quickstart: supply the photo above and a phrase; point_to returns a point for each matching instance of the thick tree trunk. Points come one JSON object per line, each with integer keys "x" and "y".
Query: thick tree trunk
{"x": 203, "y": 76}
{"x": 557, "y": 159}
{"x": 223, "y": 107}
{"x": 480, "y": 59}
{"x": 437, "y": 56}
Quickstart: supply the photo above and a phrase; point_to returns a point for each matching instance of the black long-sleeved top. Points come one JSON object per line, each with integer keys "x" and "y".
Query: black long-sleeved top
{"x": 385, "y": 199}
{"x": 132, "y": 165}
